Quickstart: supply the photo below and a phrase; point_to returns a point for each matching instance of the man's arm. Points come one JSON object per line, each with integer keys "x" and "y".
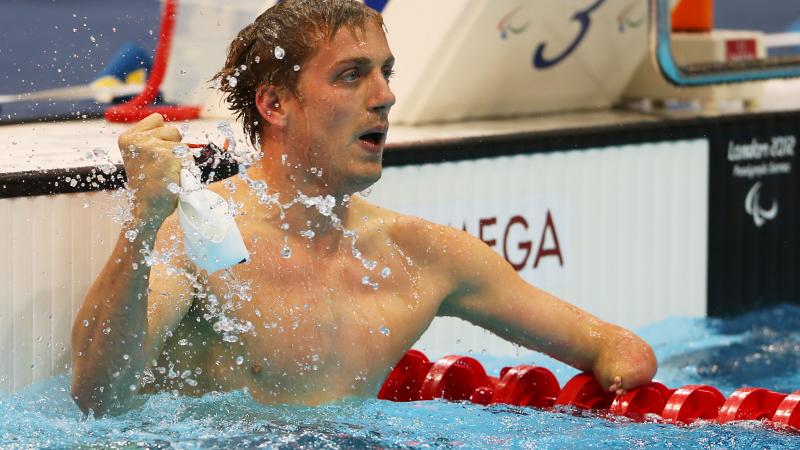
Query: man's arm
{"x": 489, "y": 293}
{"x": 112, "y": 337}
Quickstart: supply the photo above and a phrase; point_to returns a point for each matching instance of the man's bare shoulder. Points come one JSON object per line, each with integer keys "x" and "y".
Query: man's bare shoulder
{"x": 421, "y": 239}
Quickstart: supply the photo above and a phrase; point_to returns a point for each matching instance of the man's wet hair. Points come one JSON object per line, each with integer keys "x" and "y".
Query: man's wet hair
{"x": 273, "y": 49}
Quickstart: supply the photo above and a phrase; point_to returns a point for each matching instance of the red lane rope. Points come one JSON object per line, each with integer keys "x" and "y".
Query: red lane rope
{"x": 141, "y": 106}
{"x": 463, "y": 378}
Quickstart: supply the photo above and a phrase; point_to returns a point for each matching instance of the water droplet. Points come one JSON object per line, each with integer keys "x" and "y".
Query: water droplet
{"x": 325, "y": 206}
{"x": 365, "y": 280}
{"x": 258, "y": 59}
{"x": 183, "y": 342}
{"x": 181, "y": 151}
{"x": 86, "y": 323}
{"x": 286, "y": 252}
{"x": 385, "y": 331}
{"x": 174, "y": 188}
{"x": 296, "y": 68}
{"x": 125, "y": 357}
{"x": 232, "y": 81}
{"x": 92, "y": 38}
{"x": 279, "y": 52}
{"x": 130, "y": 235}
{"x": 132, "y": 387}
{"x": 386, "y": 272}
{"x": 107, "y": 330}
{"x": 239, "y": 360}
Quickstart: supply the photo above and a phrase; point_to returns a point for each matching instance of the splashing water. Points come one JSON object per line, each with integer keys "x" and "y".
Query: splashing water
{"x": 44, "y": 415}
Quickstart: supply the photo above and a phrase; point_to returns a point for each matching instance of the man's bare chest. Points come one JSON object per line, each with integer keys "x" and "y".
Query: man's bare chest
{"x": 285, "y": 331}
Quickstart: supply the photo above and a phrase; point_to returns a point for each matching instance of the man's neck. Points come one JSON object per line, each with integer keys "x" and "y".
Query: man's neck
{"x": 307, "y": 205}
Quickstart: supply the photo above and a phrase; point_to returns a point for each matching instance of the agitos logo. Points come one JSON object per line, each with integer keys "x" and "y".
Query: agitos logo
{"x": 508, "y": 24}
{"x": 625, "y": 20}
{"x": 752, "y": 206}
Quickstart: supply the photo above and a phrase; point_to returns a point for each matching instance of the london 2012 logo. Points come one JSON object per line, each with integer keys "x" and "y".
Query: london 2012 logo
{"x": 752, "y": 206}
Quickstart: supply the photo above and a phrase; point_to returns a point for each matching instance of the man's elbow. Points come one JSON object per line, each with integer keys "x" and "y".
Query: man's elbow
{"x": 641, "y": 361}
{"x": 95, "y": 400}
{"x": 85, "y": 403}
{"x": 645, "y": 360}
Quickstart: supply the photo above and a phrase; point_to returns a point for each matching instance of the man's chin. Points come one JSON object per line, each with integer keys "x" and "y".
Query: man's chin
{"x": 366, "y": 181}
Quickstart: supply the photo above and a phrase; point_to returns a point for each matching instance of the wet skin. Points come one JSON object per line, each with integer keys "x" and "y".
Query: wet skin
{"x": 318, "y": 333}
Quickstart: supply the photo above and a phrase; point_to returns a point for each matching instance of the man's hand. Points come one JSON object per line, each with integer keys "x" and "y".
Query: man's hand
{"x": 151, "y": 166}
{"x": 624, "y": 362}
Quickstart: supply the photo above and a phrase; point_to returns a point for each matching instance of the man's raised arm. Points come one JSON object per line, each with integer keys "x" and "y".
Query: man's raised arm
{"x": 112, "y": 338}
{"x": 491, "y": 294}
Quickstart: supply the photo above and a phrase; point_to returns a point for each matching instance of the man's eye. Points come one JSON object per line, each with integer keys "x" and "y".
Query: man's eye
{"x": 350, "y": 75}
{"x": 388, "y": 73}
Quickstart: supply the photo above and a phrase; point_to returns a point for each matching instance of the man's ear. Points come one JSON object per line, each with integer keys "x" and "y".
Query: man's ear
{"x": 268, "y": 103}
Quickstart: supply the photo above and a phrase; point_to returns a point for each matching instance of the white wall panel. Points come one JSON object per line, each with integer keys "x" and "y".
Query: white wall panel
{"x": 61, "y": 286}
{"x": 41, "y": 315}
{"x": 22, "y": 292}
{"x": 56, "y": 246}
{"x": 7, "y": 303}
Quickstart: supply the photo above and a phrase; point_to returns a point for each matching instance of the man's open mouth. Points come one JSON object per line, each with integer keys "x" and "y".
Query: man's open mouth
{"x": 373, "y": 138}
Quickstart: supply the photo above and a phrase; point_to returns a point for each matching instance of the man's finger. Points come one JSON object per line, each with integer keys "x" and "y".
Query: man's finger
{"x": 154, "y": 120}
{"x": 168, "y": 133}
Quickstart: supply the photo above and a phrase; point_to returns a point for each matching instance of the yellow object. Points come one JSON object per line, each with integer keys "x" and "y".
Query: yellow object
{"x": 107, "y": 81}
{"x": 138, "y": 76}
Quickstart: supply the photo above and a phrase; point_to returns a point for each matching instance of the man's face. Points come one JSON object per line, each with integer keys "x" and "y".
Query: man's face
{"x": 339, "y": 122}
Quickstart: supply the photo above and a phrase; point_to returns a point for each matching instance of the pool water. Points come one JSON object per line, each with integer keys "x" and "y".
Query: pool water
{"x": 759, "y": 349}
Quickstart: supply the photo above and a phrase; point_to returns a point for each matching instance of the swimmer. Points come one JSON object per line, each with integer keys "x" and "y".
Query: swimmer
{"x": 312, "y": 90}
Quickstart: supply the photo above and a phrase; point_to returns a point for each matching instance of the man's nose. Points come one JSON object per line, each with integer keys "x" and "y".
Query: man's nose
{"x": 383, "y": 98}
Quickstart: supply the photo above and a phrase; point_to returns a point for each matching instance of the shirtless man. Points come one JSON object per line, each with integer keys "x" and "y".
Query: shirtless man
{"x": 319, "y": 113}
